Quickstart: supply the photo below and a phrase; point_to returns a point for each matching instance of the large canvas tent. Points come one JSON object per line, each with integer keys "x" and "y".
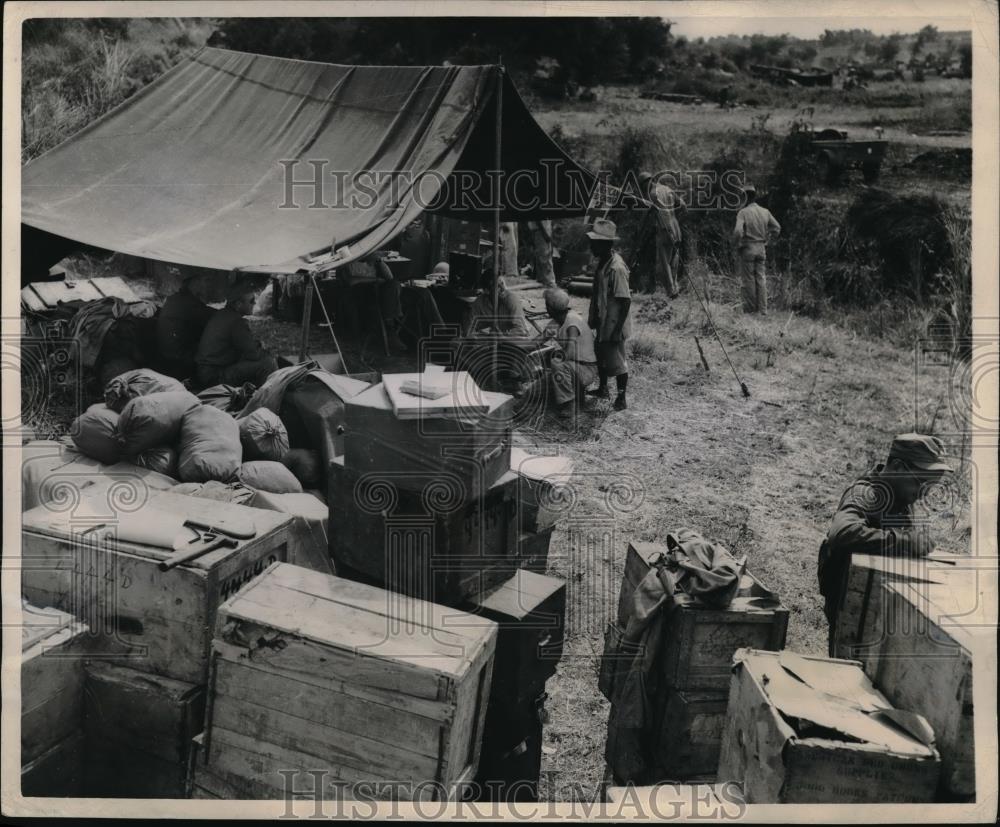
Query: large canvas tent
{"x": 192, "y": 168}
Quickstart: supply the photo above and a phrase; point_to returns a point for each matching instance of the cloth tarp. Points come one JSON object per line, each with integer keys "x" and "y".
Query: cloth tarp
{"x": 188, "y": 170}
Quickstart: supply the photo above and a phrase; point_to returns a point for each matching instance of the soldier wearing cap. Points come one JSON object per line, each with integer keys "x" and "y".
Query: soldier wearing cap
{"x": 668, "y": 232}
{"x": 228, "y": 352}
{"x": 755, "y": 228}
{"x": 610, "y": 305}
{"x": 875, "y": 515}
{"x": 574, "y": 366}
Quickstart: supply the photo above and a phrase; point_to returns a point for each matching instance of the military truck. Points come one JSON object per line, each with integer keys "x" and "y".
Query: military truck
{"x": 835, "y": 154}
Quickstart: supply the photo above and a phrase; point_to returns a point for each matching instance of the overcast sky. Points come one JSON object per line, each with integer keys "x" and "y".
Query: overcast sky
{"x": 810, "y": 27}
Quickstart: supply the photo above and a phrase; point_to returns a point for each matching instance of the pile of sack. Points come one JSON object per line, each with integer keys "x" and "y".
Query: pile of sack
{"x": 154, "y": 422}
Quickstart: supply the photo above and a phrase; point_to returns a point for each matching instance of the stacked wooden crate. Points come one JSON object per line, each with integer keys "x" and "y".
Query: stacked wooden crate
{"x": 150, "y": 630}
{"x": 812, "y": 730}
{"x": 423, "y": 501}
{"x": 544, "y": 497}
{"x": 53, "y": 649}
{"x": 316, "y": 672}
{"x": 693, "y": 665}
{"x": 530, "y": 611}
{"x": 138, "y": 729}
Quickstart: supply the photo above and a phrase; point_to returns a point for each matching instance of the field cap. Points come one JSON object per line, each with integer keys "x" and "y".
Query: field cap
{"x": 442, "y": 268}
{"x": 645, "y": 176}
{"x": 920, "y": 451}
{"x": 603, "y": 230}
{"x": 556, "y": 298}
{"x": 749, "y": 188}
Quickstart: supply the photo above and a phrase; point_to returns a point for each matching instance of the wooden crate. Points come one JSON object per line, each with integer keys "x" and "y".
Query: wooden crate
{"x": 139, "y": 728}
{"x": 530, "y": 610}
{"x": 933, "y": 633}
{"x": 54, "y": 646}
{"x": 315, "y": 671}
{"x": 858, "y": 633}
{"x": 58, "y": 772}
{"x": 159, "y": 622}
{"x": 543, "y": 493}
{"x": 690, "y": 733}
{"x": 470, "y": 451}
{"x": 874, "y": 763}
{"x": 436, "y": 549}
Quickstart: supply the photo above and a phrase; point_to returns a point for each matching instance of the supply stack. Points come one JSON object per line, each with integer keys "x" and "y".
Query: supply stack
{"x": 149, "y": 618}
{"x": 427, "y": 501}
{"x": 690, "y": 671}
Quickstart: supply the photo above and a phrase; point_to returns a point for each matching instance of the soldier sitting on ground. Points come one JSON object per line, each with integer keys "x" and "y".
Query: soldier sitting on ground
{"x": 228, "y": 353}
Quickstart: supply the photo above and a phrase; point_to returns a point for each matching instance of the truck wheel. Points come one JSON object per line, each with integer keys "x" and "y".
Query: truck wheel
{"x": 870, "y": 170}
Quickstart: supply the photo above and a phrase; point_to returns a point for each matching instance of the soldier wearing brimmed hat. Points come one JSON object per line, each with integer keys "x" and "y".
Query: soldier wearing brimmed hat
{"x": 875, "y": 515}
{"x": 610, "y": 305}
{"x": 755, "y": 228}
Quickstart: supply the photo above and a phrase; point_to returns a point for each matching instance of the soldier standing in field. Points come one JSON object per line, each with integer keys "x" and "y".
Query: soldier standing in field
{"x": 610, "y": 306}
{"x": 755, "y": 228}
{"x": 665, "y": 203}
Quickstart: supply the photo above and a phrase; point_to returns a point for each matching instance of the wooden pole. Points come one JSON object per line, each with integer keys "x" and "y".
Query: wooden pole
{"x": 306, "y": 318}
{"x": 498, "y": 133}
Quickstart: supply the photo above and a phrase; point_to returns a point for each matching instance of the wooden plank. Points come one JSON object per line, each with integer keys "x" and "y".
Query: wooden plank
{"x": 430, "y": 708}
{"x": 156, "y": 715}
{"x": 327, "y": 745}
{"x": 351, "y": 714}
{"x": 284, "y": 652}
{"x": 116, "y": 287}
{"x": 364, "y": 619}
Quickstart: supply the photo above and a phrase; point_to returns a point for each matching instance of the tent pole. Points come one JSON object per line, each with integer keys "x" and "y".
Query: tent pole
{"x": 496, "y": 215}
{"x": 306, "y": 317}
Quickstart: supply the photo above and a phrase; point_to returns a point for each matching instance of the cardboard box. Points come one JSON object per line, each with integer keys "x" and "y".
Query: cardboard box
{"x": 932, "y": 634}
{"x": 314, "y": 671}
{"x": 806, "y": 730}
{"x": 429, "y": 545}
{"x": 154, "y": 621}
{"x": 54, "y": 646}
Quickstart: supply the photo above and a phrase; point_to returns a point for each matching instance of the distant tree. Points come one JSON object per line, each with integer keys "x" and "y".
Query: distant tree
{"x": 928, "y": 34}
{"x": 806, "y": 53}
{"x": 889, "y": 48}
{"x": 738, "y": 53}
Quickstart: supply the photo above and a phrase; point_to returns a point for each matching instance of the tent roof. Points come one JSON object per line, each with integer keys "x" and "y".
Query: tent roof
{"x": 189, "y": 169}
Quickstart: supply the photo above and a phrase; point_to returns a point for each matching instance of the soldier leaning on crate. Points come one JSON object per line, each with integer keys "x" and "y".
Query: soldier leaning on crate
{"x": 875, "y": 515}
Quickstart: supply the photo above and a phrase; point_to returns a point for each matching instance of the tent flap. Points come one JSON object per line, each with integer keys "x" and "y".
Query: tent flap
{"x": 234, "y": 160}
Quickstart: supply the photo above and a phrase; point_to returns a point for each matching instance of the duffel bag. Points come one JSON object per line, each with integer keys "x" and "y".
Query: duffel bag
{"x": 153, "y": 421}
{"x": 209, "y": 445}
{"x": 263, "y": 436}
{"x": 127, "y": 386}
{"x": 95, "y": 434}
{"x": 265, "y": 475}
